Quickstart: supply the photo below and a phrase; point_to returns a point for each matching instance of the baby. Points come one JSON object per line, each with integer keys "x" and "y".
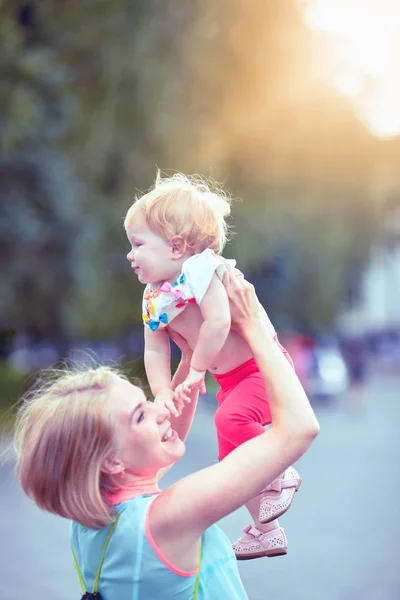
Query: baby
{"x": 177, "y": 232}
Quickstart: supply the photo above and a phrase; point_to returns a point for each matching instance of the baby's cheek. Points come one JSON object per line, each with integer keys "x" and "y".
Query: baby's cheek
{"x": 139, "y": 254}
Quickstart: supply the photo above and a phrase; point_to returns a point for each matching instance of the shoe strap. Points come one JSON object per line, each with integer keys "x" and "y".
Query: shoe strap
{"x": 259, "y": 535}
{"x": 252, "y": 531}
{"x": 280, "y": 484}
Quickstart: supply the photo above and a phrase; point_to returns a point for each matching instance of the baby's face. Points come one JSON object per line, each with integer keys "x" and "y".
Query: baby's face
{"x": 151, "y": 256}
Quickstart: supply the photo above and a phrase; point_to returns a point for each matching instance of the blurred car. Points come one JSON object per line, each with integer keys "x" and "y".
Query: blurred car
{"x": 326, "y": 376}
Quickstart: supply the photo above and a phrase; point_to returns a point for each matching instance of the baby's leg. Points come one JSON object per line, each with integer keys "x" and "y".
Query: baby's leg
{"x": 243, "y": 410}
{"x": 240, "y": 417}
{"x": 242, "y": 414}
{"x": 224, "y": 447}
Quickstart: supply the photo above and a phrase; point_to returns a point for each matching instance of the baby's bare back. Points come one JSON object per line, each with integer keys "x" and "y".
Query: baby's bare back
{"x": 234, "y": 352}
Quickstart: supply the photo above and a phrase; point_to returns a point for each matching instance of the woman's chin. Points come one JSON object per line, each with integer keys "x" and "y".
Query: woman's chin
{"x": 176, "y": 450}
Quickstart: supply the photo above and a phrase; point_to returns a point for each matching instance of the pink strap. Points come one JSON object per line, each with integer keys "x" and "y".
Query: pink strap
{"x": 252, "y": 531}
{"x": 280, "y": 484}
{"x": 257, "y": 534}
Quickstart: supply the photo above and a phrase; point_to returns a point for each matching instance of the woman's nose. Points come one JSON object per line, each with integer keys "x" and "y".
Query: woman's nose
{"x": 162, "y": 412}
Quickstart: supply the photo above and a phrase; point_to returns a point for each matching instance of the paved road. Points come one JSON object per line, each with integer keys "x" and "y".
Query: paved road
{"x": 343, "y": 528}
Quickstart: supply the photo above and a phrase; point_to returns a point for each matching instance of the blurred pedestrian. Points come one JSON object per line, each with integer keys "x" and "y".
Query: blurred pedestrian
{"x": 177, "y": 232}
{"x": 92, "y": 449}
{"x": 355, "y": 353}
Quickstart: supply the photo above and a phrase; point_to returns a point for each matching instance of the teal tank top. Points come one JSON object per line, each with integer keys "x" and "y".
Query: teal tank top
{"x": 133, "y": 570}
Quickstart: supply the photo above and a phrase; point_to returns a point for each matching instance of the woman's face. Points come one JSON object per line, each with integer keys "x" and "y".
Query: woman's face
{"x": 143, "y": 433}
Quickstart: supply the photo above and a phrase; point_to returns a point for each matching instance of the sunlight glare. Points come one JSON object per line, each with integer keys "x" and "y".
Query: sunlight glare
{"x": 363, "y": 56}
{"x": 349, "y": 84}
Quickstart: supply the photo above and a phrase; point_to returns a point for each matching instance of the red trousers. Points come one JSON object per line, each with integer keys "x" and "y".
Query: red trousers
{"x": 243, "y": 407}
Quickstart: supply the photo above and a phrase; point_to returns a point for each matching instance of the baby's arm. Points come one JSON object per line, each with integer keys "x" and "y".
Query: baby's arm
{"x": 182, "y": 370}
{"x": 157, "y": 359}
{"x": 215, "y": 327}
{"x": 212, "y": 335}
{"x": 183, "y": 422}
{"x": 157, "y": 362}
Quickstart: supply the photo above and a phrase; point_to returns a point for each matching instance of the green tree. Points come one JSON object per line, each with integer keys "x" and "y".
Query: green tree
{"x": 95, "y": 94}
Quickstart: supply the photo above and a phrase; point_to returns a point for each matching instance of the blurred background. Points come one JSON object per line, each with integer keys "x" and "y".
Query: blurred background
{"x": 294, "y": 106}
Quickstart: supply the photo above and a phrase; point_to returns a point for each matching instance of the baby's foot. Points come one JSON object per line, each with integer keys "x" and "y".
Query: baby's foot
{"x": 256, "y": 543}
{"x": 278, "y": 496}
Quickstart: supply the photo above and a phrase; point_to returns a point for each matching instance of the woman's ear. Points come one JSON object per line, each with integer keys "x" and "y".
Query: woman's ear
{"x": 178, "y": 247}
{"x": 111, "y": 466}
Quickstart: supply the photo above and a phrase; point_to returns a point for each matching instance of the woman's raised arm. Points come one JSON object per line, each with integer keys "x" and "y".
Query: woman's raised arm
{"x": 197, "y": 501}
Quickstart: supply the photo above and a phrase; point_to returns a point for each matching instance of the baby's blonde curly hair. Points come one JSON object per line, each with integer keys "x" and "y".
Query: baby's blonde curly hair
{"x": 187, "y": 207}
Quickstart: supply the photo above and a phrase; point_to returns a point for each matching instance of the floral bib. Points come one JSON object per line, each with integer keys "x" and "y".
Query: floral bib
{"x": 163, "y": 302}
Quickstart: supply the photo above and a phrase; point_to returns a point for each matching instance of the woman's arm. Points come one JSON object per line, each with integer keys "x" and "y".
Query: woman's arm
{"x": 197, "y": 501}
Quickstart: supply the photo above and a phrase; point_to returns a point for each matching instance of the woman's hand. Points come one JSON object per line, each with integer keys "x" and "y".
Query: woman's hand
{"x": 243, "y": 301}
{"x": 246, "y": 310}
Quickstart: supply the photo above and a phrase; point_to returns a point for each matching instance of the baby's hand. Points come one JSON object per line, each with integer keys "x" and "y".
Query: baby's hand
{"x": 195, "y": 379}
{"x": 166, "y": 397}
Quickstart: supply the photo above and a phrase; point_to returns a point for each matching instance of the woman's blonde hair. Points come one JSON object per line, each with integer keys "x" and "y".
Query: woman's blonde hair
{"x": 61, "y": 438}
{"x": 186, "y": 207}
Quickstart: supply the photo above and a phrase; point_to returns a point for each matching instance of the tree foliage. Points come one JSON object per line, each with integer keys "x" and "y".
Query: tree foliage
{"x": 95, "y": 94}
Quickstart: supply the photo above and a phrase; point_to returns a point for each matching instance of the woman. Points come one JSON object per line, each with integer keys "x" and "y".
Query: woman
{"x": 92, "y": 449}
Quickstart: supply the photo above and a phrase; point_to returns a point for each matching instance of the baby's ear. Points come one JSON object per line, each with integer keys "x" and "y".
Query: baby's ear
{"x": 178, "y": 247}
